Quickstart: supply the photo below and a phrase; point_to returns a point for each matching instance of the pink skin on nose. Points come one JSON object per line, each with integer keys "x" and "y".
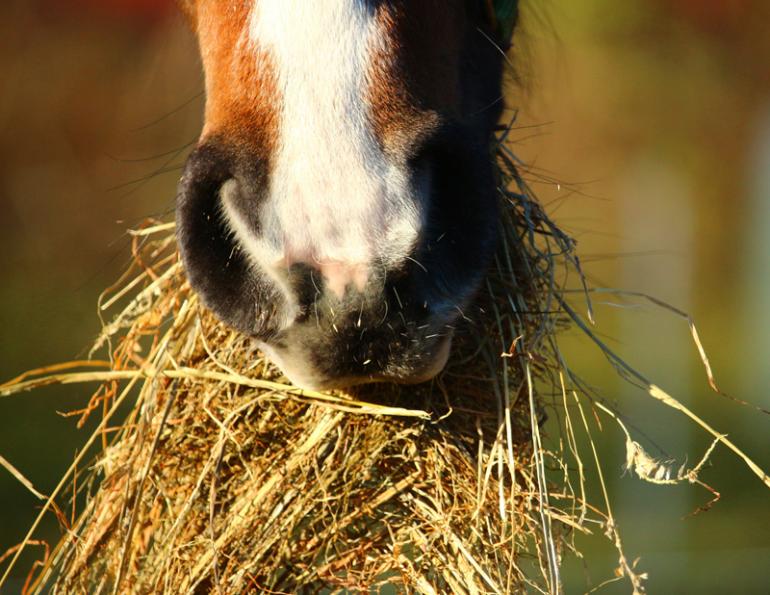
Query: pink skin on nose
{"x": 337, "y": 275}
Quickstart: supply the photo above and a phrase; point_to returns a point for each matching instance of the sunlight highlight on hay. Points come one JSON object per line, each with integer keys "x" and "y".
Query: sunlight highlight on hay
{"x": 208, "y": 473}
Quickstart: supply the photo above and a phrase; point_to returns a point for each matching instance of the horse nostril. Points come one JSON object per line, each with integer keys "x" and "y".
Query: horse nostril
{"x": 218, "y": 268}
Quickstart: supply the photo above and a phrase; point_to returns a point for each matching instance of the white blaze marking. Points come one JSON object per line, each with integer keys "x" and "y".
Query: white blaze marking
{"x": 335, "y": 200}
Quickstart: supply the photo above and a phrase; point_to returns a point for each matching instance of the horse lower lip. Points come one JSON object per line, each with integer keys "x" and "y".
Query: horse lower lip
{"x": 439, "y": 361}
{"x": 305, "y": 378}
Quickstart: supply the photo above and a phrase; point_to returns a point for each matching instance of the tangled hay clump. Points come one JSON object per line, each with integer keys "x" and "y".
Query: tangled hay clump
{"x": 223, "y": 478}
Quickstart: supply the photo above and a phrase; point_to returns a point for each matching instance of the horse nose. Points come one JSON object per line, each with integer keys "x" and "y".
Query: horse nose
{"x": 357, "y": 325}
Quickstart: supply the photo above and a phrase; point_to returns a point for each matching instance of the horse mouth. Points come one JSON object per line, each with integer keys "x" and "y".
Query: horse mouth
{"x": 303, "y": 376}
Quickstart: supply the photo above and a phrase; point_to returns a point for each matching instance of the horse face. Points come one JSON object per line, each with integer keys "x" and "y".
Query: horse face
{"x": 340, "y": 205}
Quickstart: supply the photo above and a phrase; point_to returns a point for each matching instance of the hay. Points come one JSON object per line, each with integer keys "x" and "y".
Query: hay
{"x": 222, "y": 478}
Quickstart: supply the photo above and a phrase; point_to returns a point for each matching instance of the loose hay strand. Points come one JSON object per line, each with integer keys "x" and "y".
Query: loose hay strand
{"x": 21, "y": 479}
{"x": 659, "y": 394}
{"x": 185, "y": 373}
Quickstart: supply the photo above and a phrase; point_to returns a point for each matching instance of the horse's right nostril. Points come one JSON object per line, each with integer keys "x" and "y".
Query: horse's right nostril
{"x": 217, "y": 268}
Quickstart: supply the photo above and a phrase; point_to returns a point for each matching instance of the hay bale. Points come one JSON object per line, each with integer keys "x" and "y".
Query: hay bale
{"x": 223, "y": 478}
{"x": 209, "y": 473}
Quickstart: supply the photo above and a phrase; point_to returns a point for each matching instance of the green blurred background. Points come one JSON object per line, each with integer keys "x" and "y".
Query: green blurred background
{"x": 645, "y": 125}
